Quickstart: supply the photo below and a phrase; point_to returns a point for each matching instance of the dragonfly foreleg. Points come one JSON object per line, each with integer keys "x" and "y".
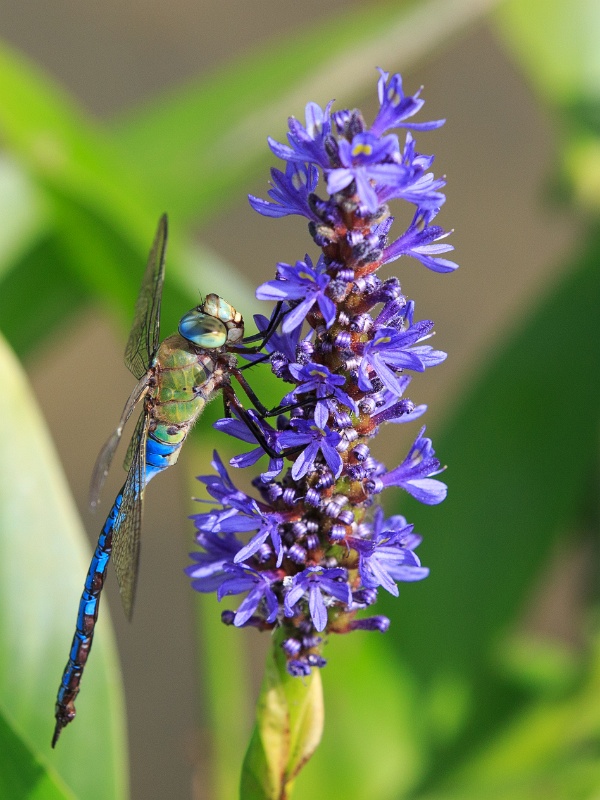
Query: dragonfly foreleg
{"x": 265, "y": 335}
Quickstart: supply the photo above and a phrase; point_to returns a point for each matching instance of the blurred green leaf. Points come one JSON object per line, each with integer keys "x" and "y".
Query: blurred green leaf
{"x": 64, "y": 151}
{"x": 548, "y": 667}
{"x": 38, "y": 296}
{"x": 24, "y": 776}
{"x": 557, "y": 43}
{"x": 373, "y": 744}
{"x": 100, "y": 217}
{"x": 226, "y": 692}
{"x": 549, "y": 750}
{"x": 201, "y": 142}
{"x": 43, "y": 558}
{"x": 22, "y": 213}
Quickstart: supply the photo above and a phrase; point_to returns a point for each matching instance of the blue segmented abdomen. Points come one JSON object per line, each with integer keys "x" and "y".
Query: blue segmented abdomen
{"x": 159, "y": 456}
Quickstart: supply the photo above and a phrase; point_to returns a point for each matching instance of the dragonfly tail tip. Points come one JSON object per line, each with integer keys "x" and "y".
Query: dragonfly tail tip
{"x": 57, "y": 731}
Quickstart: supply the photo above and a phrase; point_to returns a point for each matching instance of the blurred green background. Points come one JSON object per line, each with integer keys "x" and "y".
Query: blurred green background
{"x": 487, "y": 685}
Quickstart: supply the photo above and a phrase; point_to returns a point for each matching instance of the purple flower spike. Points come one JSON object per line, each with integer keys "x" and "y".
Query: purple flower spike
{"x": 308, "y": 549}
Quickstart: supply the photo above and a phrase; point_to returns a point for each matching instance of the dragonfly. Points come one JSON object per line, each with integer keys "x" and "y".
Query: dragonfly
{"x": 176, "y": 379}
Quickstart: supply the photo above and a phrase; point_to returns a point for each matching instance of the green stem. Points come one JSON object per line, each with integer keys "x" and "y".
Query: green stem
{"x": 289, "y": 725}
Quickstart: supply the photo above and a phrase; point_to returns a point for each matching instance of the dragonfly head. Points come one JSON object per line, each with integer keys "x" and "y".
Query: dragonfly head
{"x": 212, "y": 324}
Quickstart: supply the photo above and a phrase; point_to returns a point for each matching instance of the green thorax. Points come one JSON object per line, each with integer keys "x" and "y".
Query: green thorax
{"x": 185, "y": 380}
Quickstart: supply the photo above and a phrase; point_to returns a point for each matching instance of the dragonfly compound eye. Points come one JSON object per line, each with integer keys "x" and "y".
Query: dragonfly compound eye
{"x": 203, "y": 329}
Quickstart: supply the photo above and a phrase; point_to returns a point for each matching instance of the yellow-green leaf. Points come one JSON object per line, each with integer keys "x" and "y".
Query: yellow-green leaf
{"x": 43, "y": 560}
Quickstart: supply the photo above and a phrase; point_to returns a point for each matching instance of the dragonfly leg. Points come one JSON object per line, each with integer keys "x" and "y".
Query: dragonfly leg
{"x": 232, "y": 403}
{"x": 262, "y": 409}
{"x": 265, "y": 335}
{"x": 260, "y": 360}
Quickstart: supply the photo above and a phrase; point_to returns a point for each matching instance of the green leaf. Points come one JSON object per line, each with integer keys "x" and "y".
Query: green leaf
{"x": 64, "y": 151}
{"x": 24, "y": 775}
{"x": 289, "y": 725}
{"x": 201, "y": 142}
{"x": 43, "y": 559}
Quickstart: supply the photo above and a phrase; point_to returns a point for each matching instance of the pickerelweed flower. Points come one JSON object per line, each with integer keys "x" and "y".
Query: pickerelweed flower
{"x": 310, "y": 552}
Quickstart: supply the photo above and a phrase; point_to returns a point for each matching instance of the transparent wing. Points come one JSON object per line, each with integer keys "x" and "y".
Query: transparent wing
{"x": 144, "y": 336}
{"x": 126, "y": 534}
{"x": 105, "y": 456}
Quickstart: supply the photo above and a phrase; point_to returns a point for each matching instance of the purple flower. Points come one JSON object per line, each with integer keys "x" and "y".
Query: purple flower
{"x": 240, "y": 430}
{"x": 319, "y": 379}
{"x": 316, "y": 582}
{"x": 209, "y": 570}
{"x": 289, "y": 192}
{"x": 398, "y": 411}
{"x": 388, "y": 556}
{"x": 300, "y": 282}
{"x": 396, "y": 107}
{"x": 222, "y": 489}
{"x": 307, "y": 143}
{"x": 418, "y": 187}
{"x": 367, "y": 159}
{"x": 417, "y": 242}
{"x": 392, "y": 350}
{"x": 316, "y": 438}
{"x": 279, "y": 342}
{"x": 263, "y": 520}
{"x": 416, "y": 471}
{"x": 258, "y": 586}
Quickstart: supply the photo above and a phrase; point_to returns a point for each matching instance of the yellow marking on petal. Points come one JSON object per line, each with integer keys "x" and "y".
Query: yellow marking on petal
{"x": 362, "y": 149}
{"x": 306, "y": 275}
{"x": 393, "y": 97}
{"x": 383, "y": 339}
{"x": 299, "y": 180}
